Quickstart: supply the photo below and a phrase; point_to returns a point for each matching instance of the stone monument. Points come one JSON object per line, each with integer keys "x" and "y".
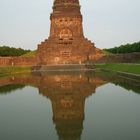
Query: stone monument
{"x": 66, "y": 43}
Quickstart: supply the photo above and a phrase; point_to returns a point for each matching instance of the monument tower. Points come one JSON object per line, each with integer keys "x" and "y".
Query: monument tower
{"x": 66, "y": 43}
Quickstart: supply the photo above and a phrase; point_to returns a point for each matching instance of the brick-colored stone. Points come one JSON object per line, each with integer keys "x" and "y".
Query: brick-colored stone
{"x": 66, "y": 43}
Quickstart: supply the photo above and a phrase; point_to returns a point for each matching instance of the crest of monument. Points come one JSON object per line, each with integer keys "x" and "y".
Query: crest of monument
{"x": 66, "y": 43}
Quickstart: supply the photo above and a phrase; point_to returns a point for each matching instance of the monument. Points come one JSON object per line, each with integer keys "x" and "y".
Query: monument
{"x": 66, "y": 43}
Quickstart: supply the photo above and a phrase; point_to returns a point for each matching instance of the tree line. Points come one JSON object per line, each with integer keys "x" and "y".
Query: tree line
{"x": 11, "y": 51}
{"x": 128, "y": 48}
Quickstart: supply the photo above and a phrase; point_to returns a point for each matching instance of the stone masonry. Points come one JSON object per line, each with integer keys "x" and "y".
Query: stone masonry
{"x": 66, "y": 43}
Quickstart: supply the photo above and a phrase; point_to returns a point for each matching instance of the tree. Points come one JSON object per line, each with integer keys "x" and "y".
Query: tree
{"x": 128, "y": 48}
{"x": 11, "y": 51}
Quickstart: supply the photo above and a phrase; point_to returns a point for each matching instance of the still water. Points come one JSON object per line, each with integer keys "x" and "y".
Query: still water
{"x": 69, "y": 106}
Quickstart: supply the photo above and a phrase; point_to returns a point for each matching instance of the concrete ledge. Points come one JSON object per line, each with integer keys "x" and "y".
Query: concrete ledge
{"x": 63, "y": 67}
{"x": 125, "y": 74}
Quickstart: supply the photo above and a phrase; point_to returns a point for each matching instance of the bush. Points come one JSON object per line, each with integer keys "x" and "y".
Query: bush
{"x": 128, "y": 48}
{"x": 10, "y": 51}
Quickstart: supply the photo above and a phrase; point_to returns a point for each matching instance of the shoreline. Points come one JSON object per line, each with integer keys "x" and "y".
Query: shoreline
{"x": 123, "y": 69}
{"x": 10, "y": 70}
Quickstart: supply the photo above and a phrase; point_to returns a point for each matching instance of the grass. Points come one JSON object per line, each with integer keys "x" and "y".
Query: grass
{"x": 30, "y": 54}
{"x": 129, "y": 68}
{"x": 7, "y": 70}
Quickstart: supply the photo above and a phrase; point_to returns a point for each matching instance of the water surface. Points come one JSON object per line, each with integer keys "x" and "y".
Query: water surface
{"x": 69, "y": 106}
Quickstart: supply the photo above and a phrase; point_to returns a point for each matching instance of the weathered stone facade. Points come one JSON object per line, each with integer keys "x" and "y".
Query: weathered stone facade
{"x": 118, "y": 58}
{"x": 99, "y": 58}
{"x": 18, "y": 61}
{"x": 66, "y": 43}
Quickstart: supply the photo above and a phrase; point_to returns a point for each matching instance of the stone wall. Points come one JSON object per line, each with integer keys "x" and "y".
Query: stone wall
{"x": 117, "y": 58}
{"x": 27, "y": 61}
{"x": 98, "y": 58}
{"x": 18, "y": 61}
{"x": 5, "y": 61}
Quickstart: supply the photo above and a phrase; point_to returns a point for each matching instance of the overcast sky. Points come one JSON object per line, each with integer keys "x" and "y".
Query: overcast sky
{"x": 108, "y": 23}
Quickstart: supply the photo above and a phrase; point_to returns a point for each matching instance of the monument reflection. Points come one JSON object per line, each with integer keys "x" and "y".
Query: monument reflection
{"x": 67, "y": 93}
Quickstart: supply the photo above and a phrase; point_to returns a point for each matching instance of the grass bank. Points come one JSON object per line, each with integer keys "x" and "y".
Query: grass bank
{"x": 7, "y": 70}
{"x": 128, "y": 68}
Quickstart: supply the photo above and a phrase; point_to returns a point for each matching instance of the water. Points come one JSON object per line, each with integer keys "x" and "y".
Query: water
{"x": 69, "y": 106}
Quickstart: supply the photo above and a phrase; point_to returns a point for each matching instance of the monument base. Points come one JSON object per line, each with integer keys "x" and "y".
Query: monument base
{"x": 55, "y": 51}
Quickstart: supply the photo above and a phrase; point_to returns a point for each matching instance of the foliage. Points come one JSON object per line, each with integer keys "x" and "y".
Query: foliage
{"x": 137, "y": 61}
{"x": 9, "y": 88}
{"x": 30, "y": 54}
{"x": 136, "y": 89}
{"x": 106, "y": 52}
{"x": 128, "y": 48}
{"x": 10, "y": 51}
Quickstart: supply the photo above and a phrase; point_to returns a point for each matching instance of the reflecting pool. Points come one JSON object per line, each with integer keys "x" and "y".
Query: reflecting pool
{"x": 69, "y": 106}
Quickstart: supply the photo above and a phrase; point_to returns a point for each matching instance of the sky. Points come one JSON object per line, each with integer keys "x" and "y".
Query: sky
{"x": 107, "y": 23}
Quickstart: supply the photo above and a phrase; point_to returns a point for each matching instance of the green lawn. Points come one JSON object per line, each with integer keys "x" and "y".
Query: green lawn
{"x": 129, "y": 68}
{"x": 15, "y": 69}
